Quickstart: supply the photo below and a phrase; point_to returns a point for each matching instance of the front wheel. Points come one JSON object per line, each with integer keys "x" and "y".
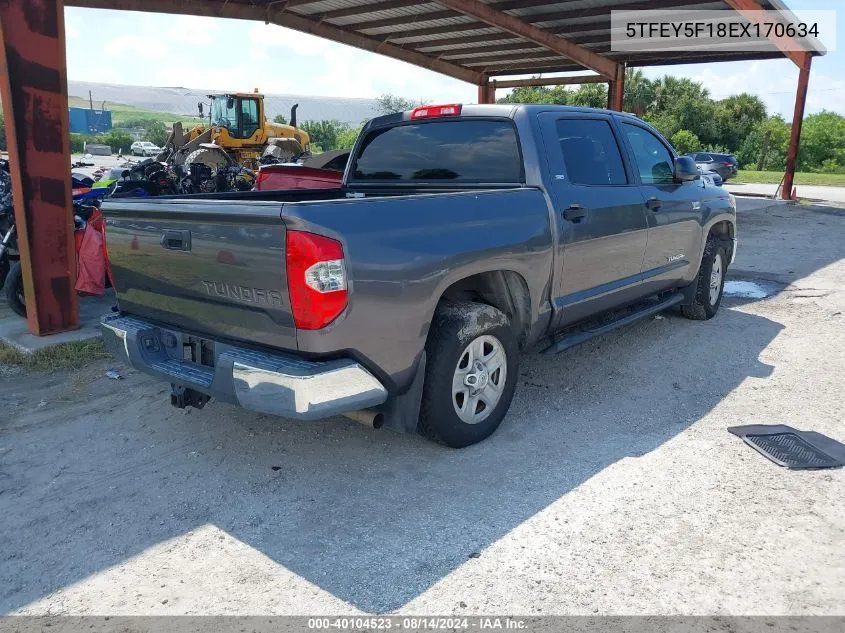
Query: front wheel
{"x": 14, "y": 290}
{"x": 471, "y": 371}
{"x": 710, "y": 283}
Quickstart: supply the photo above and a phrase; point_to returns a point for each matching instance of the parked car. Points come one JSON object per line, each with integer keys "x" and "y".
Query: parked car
{"x": 712, "y": 177}
{"x": 144, "y": 148}
{"x": 724, "y": 164}
{"x": 461, "y": 236}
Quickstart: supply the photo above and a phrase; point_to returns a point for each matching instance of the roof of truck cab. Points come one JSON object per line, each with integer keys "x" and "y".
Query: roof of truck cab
{"x": 506, "y": 110}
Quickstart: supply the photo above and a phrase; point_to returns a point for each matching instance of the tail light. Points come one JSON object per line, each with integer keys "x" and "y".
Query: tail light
{"x": 260, "y": 178}
{"x": 430, "y": 112}
{"x": 316, "y": 279}
{"x": 728, "y": 164}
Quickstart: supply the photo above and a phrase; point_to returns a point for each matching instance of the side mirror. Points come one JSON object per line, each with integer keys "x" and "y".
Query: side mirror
{"x": 685, "y": 169}
{"x": 230, "y": 103}
{"x": 199, "y": 108}
{"x": 124, "y": 174}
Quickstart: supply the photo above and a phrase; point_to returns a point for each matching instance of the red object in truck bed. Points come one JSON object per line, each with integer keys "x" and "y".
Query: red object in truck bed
{"x": 296, "y": 177}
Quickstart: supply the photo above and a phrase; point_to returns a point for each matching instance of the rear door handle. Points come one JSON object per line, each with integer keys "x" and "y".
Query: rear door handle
{"x": 654, "y": 204}
{"x": 175, "y": 240}
{"x": 574, "y": 213}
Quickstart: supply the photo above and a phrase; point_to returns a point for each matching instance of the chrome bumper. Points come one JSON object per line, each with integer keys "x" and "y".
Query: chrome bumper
{"x": 276, "y": 383}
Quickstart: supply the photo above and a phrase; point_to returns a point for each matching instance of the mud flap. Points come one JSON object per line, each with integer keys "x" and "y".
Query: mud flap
{"x": 402, "y": 412}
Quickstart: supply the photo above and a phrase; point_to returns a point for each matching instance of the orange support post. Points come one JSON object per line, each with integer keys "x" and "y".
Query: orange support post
{"x": 487, "y": 93}
{"x": 616, "y": 90}
{"x": 33, "y": 86}
{"x": 797, "y": 120}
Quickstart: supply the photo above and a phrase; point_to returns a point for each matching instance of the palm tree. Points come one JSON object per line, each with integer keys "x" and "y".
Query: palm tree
{"x": 640, "y": 92}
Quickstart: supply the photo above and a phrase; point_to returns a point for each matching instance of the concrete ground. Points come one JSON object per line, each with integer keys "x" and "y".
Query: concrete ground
{"x": 612, "y": 487}
{"x": 833, "y": 195}
{"x": 14, "y": 330}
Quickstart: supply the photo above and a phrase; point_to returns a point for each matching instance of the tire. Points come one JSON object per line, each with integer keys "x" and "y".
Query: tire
{"x": 462, "y": 333}
{"x": 4, "y": 270}
{"x": 212, "y": 157}
{"x": 13, "y": 289}
{"x": 708, "y": 290}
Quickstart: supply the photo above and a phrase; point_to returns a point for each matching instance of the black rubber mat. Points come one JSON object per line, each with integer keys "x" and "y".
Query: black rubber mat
{"x": 792, "y": 448}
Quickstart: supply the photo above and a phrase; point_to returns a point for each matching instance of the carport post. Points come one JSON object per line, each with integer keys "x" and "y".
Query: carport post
{"x": 33, "y": 86}
{"x": 797, "y": 120}
{"x": 487, "y": 92}
{"x": 616, "y": 89}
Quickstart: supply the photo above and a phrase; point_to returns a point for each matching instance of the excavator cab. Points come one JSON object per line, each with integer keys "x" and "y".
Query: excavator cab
{"x": 239, "y": 115}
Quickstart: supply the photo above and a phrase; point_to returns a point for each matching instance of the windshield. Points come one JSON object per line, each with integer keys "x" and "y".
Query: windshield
{"x": 223, "y": 116}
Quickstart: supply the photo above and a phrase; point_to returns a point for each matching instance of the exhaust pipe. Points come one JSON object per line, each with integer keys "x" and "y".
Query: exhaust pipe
{"x": 367, "y": 417}
{"x": 293, "y": 115}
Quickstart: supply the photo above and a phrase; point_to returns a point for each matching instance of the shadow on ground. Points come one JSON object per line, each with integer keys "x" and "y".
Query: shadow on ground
{"x": 372, "y": 517}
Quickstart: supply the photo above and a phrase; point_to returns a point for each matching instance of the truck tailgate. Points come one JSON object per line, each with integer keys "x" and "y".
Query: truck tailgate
{"x": 214, "y": 267}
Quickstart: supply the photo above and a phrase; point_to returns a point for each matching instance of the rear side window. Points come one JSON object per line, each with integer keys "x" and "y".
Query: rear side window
{"x": 704, "y": 158}
{"x": 654, "y": 161}
{"x": 590, "y": 152}
{"x": 457, "y": 151}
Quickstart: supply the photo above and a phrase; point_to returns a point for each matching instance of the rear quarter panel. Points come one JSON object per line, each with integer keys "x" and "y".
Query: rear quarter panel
{"x": 403, "y": 252}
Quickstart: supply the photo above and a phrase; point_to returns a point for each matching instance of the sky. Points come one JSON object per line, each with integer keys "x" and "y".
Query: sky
{"x": 150, "y": 49}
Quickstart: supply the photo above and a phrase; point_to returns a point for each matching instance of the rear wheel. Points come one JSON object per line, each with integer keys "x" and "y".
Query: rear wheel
{"x": 709, "y": 284}
{"x": 14, "y": 290}
{"x": 471, "y": 373}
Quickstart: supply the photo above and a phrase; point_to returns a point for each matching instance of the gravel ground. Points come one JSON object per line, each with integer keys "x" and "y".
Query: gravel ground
{"x": 611, "y": 488}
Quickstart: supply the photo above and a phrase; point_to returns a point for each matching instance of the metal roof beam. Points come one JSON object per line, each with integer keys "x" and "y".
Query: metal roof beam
{"x": 515, "y": 25}
{"x": 467, "y": 39}
{"x": 784, "y": 43}
{"x": 360, "y": 9}
{"x": 550, "y": 81}
{"x": 289, "y": 20}
{"x": 603, "y": 13}
{"x": 541, "y": 53}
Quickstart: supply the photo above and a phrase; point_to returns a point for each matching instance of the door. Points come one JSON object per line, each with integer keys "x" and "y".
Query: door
{"x": 601, "y": 216}
{"x": 674, "y": 211}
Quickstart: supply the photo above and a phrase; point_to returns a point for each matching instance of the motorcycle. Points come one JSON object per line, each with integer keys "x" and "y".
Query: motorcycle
{"x": 147, "y": 178}
{"x": 86, "y": 212}
{"x": 8, "y": 235}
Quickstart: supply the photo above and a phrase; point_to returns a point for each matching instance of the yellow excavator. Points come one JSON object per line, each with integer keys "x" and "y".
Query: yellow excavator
{"x": 236, "y": 132}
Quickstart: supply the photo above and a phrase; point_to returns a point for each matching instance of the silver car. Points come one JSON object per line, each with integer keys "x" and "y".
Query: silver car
{"x": 144, "y": 148}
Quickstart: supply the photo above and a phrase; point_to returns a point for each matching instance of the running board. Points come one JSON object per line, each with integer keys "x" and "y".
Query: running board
{"x": 580, "y": 336}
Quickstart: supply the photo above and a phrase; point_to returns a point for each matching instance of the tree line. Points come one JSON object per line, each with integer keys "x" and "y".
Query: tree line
{"x": 684, "y": 112}
{"x": 681, "y": 109}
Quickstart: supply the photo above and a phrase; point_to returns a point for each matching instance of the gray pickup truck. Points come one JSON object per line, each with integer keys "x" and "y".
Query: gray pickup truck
{"x": 460, "y": 236}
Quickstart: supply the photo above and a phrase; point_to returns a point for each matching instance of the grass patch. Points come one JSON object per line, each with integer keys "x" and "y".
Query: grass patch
{"x": 801, "y": 178}
{"x": 71, "y": 355}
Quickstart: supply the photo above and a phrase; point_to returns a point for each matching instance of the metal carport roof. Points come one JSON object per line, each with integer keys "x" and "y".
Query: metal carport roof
{"x": 467, "y": 39}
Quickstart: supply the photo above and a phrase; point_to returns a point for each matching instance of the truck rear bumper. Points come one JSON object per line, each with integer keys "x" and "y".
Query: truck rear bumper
{"x": 276, "y": 383}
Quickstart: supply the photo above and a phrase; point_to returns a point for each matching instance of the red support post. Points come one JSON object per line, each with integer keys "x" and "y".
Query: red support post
{"x": 487, "y": 93}
{"x": 33, "y": 86}
{"x": 616, "y": 90}
{"x": 797, "y": 120}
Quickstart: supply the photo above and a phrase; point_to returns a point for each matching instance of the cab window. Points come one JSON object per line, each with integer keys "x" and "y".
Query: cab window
{"x": 653, "y": 159}
{"x": 590, "y": 152}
